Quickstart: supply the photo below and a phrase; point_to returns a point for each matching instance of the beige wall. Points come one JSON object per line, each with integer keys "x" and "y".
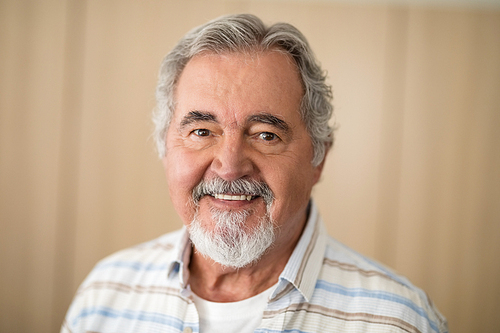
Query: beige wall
{"x": 413, "y": 179}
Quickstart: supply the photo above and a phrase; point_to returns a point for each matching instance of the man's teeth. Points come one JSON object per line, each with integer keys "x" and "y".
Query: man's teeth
{"x": 232, "y": 197}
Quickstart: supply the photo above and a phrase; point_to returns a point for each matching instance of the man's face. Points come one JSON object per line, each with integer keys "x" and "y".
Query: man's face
{"x": 237, "y": 117}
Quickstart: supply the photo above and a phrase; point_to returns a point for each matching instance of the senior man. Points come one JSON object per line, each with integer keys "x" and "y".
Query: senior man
{"x": 242, "y": 128}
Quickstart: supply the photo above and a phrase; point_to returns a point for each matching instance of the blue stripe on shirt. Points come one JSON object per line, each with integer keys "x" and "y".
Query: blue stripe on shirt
{"x": 134, "y": 265}
{"x": 360, "y": 292}
{"x": 261, "y": 330}
{"x": 135, "y": 316}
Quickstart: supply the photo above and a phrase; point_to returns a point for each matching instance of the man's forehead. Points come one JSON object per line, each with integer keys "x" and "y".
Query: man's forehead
{"x": 230, "y": 88}
{"x": 208, "y": 64}
{"x": 272, "y": 73}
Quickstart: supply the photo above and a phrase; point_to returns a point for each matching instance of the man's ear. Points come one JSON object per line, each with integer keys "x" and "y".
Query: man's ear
{"x": 319, "y": 168}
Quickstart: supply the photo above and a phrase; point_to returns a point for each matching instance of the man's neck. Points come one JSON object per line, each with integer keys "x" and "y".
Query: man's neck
{"x": 216, "y": 283}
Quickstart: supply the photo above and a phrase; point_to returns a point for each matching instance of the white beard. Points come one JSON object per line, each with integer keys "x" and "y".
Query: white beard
{"x": 232, "y": 243}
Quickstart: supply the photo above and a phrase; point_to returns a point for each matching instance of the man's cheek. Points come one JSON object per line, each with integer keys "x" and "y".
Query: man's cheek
{"x": 182, "y": 178}
{"x": 183, "y": 172}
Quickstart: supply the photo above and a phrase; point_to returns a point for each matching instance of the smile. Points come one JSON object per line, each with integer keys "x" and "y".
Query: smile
{"x": 232, "y": 197}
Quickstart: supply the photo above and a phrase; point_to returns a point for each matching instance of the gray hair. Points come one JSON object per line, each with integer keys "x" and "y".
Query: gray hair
{"x": 247, "y": 33}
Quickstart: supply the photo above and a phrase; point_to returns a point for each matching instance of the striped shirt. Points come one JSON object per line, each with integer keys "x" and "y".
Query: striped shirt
{"x": 325, "y": 287}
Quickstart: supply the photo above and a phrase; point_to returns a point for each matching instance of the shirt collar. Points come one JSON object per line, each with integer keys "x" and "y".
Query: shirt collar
{"x": 182, "y": 255}
{"x": 306, "y": 257}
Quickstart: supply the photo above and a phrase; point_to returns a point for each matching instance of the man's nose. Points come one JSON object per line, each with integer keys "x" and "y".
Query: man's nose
{"x": 232, "y": 158}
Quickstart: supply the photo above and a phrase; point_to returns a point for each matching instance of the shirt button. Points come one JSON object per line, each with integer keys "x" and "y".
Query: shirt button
{"x": 187, "y": 330}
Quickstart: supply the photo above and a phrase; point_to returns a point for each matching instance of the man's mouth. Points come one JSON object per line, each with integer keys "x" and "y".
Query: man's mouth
{"x": 233, "y": 197}
{"x": 237, "y": 190}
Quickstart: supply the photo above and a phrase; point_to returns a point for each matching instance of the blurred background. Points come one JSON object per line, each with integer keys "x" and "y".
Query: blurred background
{"x": 413, "y": 179}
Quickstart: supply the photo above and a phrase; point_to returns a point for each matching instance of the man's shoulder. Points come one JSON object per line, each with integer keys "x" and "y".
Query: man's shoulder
{"x": 148, "y": 257}
{"x": 374, "y": 290}
{"x": 129, "y": 287}
{"x": 346, "y": 261}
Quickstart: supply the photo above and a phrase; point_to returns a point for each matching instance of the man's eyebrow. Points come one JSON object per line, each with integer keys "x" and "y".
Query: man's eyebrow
{"x": 270, "y": 119}
{"x": 197, "y": 116}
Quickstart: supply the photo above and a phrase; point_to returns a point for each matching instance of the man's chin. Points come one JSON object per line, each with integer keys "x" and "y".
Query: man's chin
{"x": 230, "y": 242}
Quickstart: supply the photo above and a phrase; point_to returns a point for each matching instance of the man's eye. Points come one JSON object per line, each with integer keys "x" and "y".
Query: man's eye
{"x": 267, "y": 136}
{"x": 201, "y": 132}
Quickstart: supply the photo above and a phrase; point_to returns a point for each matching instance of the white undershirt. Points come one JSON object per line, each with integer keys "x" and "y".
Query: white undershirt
{"x": 242, "y": 317}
